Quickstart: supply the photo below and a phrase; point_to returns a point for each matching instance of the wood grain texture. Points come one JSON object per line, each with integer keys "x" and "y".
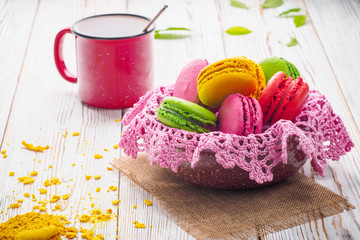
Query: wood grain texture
{"x": 170, "y": 56}
{"x": 45, "y": 107}
{"x": 337, "y": 27}
{"x": 38, "y": 106}
{"x": 16, "y": 22}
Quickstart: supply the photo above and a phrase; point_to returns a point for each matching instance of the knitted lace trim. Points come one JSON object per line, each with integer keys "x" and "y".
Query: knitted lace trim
{"x": 320, "y": 132}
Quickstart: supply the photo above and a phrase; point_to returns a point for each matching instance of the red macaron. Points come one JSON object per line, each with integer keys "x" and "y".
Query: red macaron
{"x": 283, "y": 98}
{"x": 240, "y": 115}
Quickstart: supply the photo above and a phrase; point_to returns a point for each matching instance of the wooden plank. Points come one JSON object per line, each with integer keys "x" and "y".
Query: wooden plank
{"x": 269, "y": 37}
{"x": 169, "y": 57}
{"x": 337, "y": 27}
{"x": 44, "y": 108}
{"x": 16, "y": 19}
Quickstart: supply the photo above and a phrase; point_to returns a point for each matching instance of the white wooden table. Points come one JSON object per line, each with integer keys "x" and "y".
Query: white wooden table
{"x": 38, "y": 106}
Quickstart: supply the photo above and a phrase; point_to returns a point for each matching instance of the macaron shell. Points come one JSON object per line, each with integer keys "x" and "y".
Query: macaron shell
{"x": 186, "y": 83}
{"x": 174, "y": 121}
{"x": 261, "y": 81}
{"x": 240, "y": 115}
{"x": 182, "y": 114}
{"x": 256, "y": 115}
{"x": 228, "y": 76}
{"x": 231, "y": 115}
{"x": 292, "y": 70}
{"x": 292, "y": 103}
{"x": 189, "y": 110}
{"x": 225, "y": 83}
{"x": 272, "y": 65}
{"x": 272, "y": 95}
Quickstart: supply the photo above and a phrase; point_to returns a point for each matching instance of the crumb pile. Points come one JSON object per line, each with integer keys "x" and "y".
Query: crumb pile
{"x": 36, "y": 225}
{"x": 43, "y": 225}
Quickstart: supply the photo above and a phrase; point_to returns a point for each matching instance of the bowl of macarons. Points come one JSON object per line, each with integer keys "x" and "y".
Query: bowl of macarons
{"x": 235, "y": 124}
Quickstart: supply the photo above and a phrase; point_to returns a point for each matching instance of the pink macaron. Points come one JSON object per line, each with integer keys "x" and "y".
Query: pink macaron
{"x": 240, "y": 115}
{"x": 186, "y": 83}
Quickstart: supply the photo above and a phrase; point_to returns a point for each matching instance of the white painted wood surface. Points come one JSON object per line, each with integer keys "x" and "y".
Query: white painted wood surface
{"x": 38, "y": 106}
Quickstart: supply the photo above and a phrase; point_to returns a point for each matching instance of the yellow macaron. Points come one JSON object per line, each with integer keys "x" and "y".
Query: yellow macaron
{"x": 233, "y": 75}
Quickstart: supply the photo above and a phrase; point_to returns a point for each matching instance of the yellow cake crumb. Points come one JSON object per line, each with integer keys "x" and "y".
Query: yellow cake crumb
{"x": 87, "y": 233}
{"x": 74, "y": 164}
{"x": 148, "y": 202}
{"x": 109, "y": 211}
{"x": 47, "y": 183}
{"x": 15, "y": 205}
{"x": 43, "y": 202}
{"x": 135, "y": 206}
{"x": 75, "y": 133}
{"x": 26, "y": 180}
{"x": 84, "y": 218}
{"x": 3, "y": 151}
{"x": 42, "y": 191}
{"x": 115, "y": 202}
{"x": 55, "y": 198}
{"x": 109, "y": 168}
{"x": 50, "y": 166}
{"x": 97, "y": 177}
{"x": 105, "y": 149}
{"x": 33, "y": 173}
{"x": 92, "y": 205}
{"x": 42, "y": 209}
{"x": 98, "y": 189}
{"x": 65, "y": 196}
{"x": 35, "y": 207}
{"x": 26, "y": 195}
{"x": 98, "y": 156}
{"x": 55, "y": 180}
{"x": 57, "y": 207}
{"x": 100, "y": 236}
{"x": 139, "y": 225}
{"x": 5, "y": 155}
{"x": 113, "y": 188}
{"x": 116, "y": 146}
{"x": 70, "y": 235}
{"x": 20, "y": 200}
{"x": 88, "y": 177}
{"x": 11, "y": 174}
{"x": 31, "y": 147}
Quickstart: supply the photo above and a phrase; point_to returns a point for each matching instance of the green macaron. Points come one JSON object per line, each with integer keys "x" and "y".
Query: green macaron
{"x": 272, "y": 65}
{"x": 182, "y": 114}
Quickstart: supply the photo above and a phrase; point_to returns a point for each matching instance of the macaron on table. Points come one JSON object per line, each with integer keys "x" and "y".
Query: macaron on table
{"x": 260, "y": 133}
{"x": 38, "y": 107}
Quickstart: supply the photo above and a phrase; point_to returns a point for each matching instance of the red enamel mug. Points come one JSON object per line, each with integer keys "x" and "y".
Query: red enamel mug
{"x": 114, "y": 59}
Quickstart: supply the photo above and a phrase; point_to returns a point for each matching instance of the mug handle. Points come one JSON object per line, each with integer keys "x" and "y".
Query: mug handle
{"x": 59, "y": 58}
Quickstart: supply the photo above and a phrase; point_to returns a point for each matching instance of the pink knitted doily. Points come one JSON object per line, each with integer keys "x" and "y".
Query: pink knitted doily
{"x": 321, "y": 134}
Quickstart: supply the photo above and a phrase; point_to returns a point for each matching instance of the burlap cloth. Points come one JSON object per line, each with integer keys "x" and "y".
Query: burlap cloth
{"x": 220, "y": 214}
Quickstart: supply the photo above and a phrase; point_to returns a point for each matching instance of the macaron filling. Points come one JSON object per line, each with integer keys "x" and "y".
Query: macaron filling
{"x": 190, "y": 116}
{"x": 174, "y": 119}
{"x": 182, "y": 114}
{"x": 281, "y": 100}
{"x": 293, "y": 72}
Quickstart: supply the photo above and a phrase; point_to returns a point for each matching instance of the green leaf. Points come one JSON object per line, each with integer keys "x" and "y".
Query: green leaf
{"x": 286, "y": 13}
{"x": 238, "y": 4}
{"x": 299, "y": 20}
{"x": 238, "y": 31}
{"x": 272, "y": 3}
{"x": 168, "y": 33}
{"x": 169, "y": 36}
{"x": 293, "y": 42}
{"x": 176, "y": 29}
